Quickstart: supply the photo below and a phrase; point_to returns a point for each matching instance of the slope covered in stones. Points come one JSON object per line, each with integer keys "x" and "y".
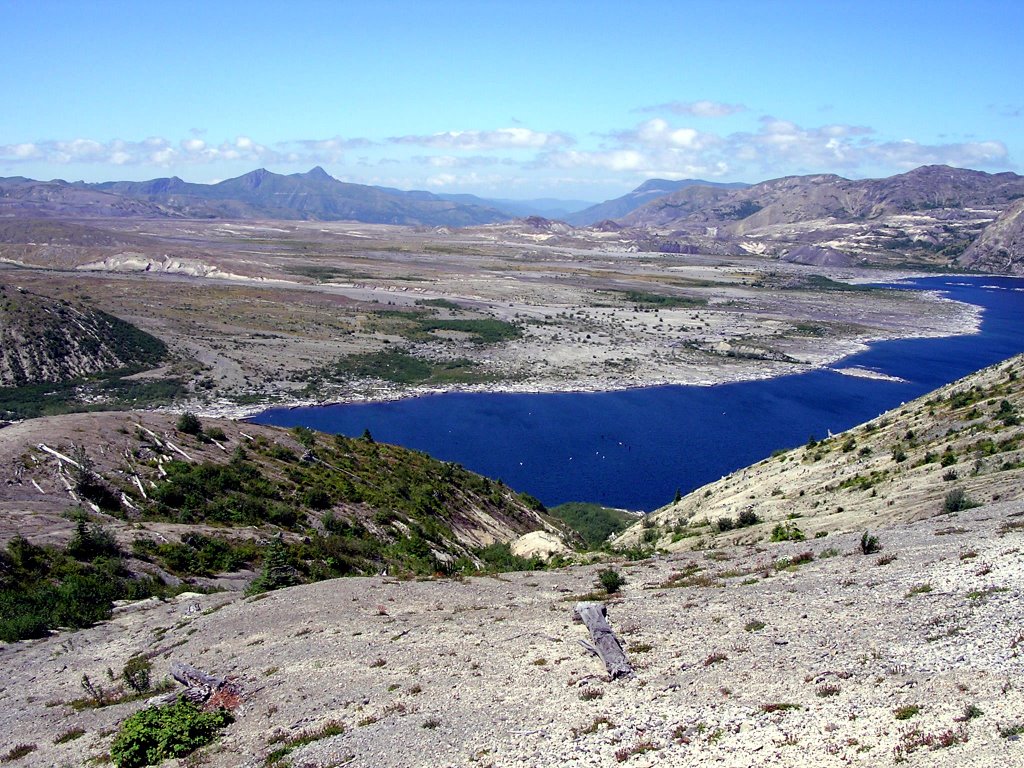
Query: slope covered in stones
{"x": 792, "y": 654}
{"x": 43, "y": 340}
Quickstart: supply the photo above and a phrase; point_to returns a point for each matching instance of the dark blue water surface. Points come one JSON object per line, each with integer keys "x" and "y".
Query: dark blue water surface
{"x": 634, "y": 448}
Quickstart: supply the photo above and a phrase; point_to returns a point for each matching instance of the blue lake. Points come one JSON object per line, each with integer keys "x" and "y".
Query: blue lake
{"x": 635, "y": 448}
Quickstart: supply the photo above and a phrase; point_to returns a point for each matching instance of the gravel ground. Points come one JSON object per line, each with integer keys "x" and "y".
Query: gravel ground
{"x": 490, "y": 671}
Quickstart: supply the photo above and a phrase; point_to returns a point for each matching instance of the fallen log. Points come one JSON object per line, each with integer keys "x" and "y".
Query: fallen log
{"x": 200, "y": 688}
{"x": 189, "y": 676}
{"x": 605, "y": 643}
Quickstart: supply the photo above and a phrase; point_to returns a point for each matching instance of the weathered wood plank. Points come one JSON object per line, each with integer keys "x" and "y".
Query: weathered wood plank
{"x": 605, "y": 643}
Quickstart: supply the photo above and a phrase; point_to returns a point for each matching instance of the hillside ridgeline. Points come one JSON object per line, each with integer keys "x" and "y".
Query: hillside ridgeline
{"x": 213, "y": 503}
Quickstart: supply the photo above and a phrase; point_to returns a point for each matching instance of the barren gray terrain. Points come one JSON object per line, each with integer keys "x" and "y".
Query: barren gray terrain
{"x": 259, "y": 312}
{"x": 743, "y": 655}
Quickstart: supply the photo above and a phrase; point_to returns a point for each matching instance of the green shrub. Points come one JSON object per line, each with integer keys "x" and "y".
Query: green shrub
{"x": 305, "y": 435}
{"x": 747, "y": 518}
{"x": 277, "y": 572}
{"x": 957, "y": 500}
{"x": 725, "y": 524}
{"x": 499, "y": 557}
{"x": 44, "y": 587}
{"x": 611, "y": 580}
{"x": 907, "y": 712}
{"x": 316, "y": 498}
{"x": 787, "y": 532}
{"x": 869, "y": 544}
{"x": 136, "y": 673}
{"x": 215, "y": 433}
{"x": 18, "y": 752}
{"x": 189, "y": 423}
{"x": 159, "y": 733}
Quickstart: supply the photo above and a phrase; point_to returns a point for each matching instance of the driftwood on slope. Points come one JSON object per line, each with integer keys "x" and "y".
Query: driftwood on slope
{"x": 200, "y": 688}
{"x": 606, "y": 644}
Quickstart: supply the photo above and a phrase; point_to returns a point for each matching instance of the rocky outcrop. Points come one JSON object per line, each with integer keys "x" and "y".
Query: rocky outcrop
{"x": 1000, "y": 248}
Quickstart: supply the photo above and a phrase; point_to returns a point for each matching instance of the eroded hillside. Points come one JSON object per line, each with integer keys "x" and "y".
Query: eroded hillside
{"x": 47, "y": 340}
{"x": 190, "y": 499}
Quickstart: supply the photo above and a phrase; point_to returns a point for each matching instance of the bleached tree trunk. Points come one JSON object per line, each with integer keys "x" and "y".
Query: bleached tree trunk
{"x": 605, "y": 643}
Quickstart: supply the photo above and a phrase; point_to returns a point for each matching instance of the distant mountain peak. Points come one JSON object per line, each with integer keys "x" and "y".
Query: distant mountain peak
{"x": 318, "y": 173}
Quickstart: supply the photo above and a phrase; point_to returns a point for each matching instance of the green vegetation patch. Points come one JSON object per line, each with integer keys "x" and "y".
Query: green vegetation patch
{"x": 160, "y": 733}
{"x": 420, "y": 326}
{"x": 323, "y": 273}
{"x": 360, "y": 506}
{"x": 441, "y": 303}
{"x": 42, "y": 588}
{"x": 661, "y": 300}
{"x": 199, "y": 555}
{"x": 593, "y": 522}
{"x": 822, "y": 283}
{"x": 400, "y": 367}
{"x": 108, "y": 392}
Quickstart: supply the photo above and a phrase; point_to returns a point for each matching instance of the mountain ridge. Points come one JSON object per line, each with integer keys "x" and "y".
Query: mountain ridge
{"x": 928, "y": 216}
{"x": 313, "y": 195}
{"x": 651, "y": 189}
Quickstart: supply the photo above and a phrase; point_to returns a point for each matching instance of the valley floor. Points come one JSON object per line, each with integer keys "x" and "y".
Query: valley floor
{"x": 255, "y": 312}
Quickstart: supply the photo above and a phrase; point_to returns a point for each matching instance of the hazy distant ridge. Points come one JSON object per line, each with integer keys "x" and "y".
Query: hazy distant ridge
{"x": 650, "y": 190}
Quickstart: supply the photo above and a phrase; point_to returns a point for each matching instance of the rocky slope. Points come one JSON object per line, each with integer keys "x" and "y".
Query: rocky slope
{"x": 964, "y": 441}
{"x": 46, "y": 340}
{"x": 999, "y": 247}
{"x": 929, "y": 216}
{"x": 782, "y": 655}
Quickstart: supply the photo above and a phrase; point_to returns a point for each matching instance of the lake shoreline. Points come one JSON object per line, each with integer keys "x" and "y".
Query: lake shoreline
{"x": 967, "y": 323}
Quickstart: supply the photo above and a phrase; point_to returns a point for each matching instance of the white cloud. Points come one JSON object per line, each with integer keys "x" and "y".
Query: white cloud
{"x": 456, "y": 161}
{"x": 656, "y": 148}
{"x": 613, "y": 160}
{"x": 661, "y": 146}
{"x": 24, "y": 151}
{"x": 502, "y": 138}
{"x": 442, "y": 180}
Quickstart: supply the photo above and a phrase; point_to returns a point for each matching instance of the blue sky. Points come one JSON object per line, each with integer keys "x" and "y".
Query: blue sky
{"x": 578, "y": 100}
